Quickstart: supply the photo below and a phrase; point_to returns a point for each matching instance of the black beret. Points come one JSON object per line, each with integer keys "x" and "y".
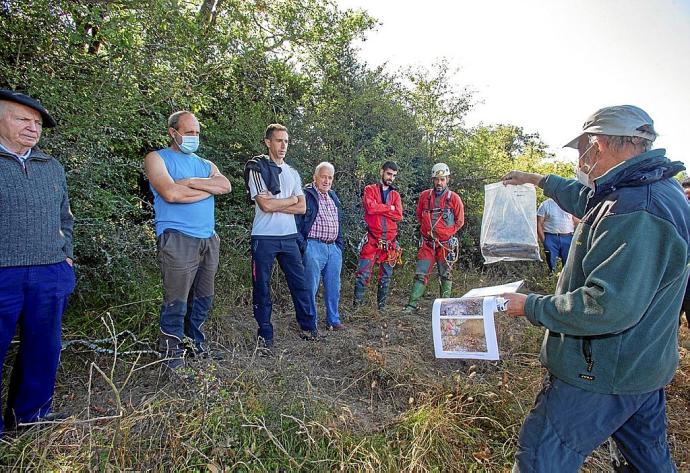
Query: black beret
{"x": 12, "y": 96}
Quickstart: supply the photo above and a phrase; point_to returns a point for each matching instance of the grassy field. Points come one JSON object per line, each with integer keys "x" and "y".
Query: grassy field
{"x": 370, "y": 398}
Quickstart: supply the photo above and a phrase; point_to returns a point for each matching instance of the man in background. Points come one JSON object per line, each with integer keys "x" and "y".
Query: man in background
{"x": 36, "y": 274}
{"x": 379, "y": 247}
{"x": 440, "y": 213}
{"x": 276, "y": 189}
{"x": 321, "y": 242}
{"x": 184, "y": 186}
{"x": 555, "y": 230}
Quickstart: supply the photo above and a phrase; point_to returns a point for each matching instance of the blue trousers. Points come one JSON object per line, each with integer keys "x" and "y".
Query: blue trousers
{"x": 32, "y": 298}
{"x": 568, "y": 423}
{"x": 324, "y": 261}
{"x": 556, "y": 246}
{"x": 286, "y": 251}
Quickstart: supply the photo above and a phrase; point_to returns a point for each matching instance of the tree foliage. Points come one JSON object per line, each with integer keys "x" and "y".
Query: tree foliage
{"x": 111, "y": 71}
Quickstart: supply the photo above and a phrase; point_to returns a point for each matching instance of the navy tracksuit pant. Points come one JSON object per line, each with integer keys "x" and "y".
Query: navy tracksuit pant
{"x": 286, "y": 251}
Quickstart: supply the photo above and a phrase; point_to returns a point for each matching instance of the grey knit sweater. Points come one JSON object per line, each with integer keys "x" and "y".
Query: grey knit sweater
{"x": 35, "y": 218}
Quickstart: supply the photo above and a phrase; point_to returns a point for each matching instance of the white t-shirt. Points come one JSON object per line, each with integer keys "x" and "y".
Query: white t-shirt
{"x": 275, "y": 224}
{"x": 556, "y": 220}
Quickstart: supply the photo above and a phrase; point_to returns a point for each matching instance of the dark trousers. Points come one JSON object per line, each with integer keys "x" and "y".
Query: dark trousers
{"x": 286, "y": 251}
{"x": 32, "y": 298}
{"x": 188, "y": 268}
{"x": 567, "y": 423}
{"x": 370, "y": 256}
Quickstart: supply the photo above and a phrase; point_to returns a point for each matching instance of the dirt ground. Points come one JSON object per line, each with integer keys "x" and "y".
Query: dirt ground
{"x": 367, "y": 376}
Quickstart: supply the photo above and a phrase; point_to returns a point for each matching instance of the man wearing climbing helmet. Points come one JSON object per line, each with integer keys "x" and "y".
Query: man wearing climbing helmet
{"x": 441, "y": 214}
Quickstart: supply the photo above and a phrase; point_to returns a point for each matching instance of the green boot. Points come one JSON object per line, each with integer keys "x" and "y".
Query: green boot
{"x": 446, "y": 286}
{"x": 418, "y": 289}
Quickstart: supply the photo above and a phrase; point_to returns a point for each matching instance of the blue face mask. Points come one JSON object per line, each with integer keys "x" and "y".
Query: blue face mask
{"x": 189, "y": 144}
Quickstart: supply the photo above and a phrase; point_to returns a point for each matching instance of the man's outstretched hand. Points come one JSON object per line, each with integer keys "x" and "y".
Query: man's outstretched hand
{"x": 515, "y": 178}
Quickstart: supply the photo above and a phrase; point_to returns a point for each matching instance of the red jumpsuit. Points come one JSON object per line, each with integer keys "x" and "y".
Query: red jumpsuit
{"x": 440, "y": 217}
{"x": 382, "y": 219}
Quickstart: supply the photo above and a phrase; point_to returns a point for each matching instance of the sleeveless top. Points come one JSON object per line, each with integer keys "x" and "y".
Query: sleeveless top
{"x": 195, "y": 219}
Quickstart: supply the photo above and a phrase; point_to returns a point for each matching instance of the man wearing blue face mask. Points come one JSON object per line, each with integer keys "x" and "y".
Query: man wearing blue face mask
{"x": 183, "y": 186}
{"x": 611, "y": 342}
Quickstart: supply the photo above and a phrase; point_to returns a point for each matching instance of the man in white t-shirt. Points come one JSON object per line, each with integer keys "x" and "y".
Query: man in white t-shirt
{"x": 555, "y": 230}
{"x": 274, "y": 236}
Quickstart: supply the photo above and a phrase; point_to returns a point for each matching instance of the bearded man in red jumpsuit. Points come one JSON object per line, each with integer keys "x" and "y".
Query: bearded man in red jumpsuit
{"x": 382, "y": 212}
{"x": 441, "y": 214}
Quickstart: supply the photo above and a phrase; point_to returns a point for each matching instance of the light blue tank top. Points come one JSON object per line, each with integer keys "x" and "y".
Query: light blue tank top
{"x": 196, "y": 219}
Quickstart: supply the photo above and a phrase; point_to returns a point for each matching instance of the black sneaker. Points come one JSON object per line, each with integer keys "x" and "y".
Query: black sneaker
{"x": 205, "y": 353}
{"x": 174, "y": 359}
{"x": 173, "y": 363}
{"x": 264, "y": 347}
{"x": 310, "y": 335}
{"x": 53, "y": 417}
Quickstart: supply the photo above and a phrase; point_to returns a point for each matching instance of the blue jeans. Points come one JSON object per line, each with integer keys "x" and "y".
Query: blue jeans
{"x": 568, "y": 423}
{"x": 286, "y": 251}
{"x": 324, "y": 260}
{"x": 34, "y": 298}
{"x": 556, "y": 246}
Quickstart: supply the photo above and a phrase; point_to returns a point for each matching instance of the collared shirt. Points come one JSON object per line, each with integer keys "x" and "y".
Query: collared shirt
{"x": 325, "y": 227}
{"x": 22, "y": 159}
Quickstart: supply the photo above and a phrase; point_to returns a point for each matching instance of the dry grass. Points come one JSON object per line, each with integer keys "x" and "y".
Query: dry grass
{"x": 370, "y": 398}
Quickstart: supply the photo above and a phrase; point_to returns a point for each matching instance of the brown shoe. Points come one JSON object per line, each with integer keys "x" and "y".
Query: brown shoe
{"x": 337, "y": 326}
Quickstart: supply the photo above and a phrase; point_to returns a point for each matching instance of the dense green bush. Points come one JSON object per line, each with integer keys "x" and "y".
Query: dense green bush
{"x": 111, "y": 73}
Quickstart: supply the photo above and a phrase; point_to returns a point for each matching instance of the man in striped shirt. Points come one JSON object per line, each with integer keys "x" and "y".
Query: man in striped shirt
{"x": 322, "y": 242}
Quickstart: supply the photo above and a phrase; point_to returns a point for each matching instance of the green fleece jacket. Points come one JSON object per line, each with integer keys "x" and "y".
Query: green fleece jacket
{"x": 612, "y": 324}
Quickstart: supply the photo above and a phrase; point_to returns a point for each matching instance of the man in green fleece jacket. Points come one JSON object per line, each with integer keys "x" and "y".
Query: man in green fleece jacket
{"x": 611, "y": 327}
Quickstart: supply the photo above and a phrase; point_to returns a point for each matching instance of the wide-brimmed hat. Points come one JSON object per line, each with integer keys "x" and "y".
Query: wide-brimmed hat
{"x": 12, "y": 96}
{"x": 619, "y": 120}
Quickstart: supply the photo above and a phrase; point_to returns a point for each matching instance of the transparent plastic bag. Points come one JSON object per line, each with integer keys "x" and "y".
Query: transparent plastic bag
{"x": 509, "y": 223}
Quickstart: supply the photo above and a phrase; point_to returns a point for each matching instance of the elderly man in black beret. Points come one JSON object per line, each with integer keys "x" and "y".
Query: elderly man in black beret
{"x": 36, "y": 275}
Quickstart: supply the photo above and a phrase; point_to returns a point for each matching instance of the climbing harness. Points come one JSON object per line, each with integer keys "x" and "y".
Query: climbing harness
{"x": 393, "y": 251}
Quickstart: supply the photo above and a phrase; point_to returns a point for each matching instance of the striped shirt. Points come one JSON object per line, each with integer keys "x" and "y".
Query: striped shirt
{"x": 325, "y": 227}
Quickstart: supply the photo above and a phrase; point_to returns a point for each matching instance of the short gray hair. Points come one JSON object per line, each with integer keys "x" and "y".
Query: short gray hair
{"x": 324, "y": 164}
{"x": 619, "y": 143}
{"x": 174, "y": 119}
{"x": 641, "y": 145}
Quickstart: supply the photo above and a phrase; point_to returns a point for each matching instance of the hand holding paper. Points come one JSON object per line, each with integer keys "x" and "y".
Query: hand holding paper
{"x": 515, "y": 304}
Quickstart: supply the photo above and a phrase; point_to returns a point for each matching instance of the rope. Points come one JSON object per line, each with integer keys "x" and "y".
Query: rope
{"x": 93, "y": 345}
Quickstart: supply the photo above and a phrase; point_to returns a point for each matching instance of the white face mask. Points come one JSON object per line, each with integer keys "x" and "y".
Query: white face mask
{"x": 581, "y": 176}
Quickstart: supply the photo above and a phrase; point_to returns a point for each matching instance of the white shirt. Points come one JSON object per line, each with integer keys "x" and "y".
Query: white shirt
{"x": 556, "y": 220}
{"x": 275, "y": 224}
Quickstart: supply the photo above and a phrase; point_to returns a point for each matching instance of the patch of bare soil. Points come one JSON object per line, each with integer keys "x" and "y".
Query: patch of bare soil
{"x": 364, "y": 377}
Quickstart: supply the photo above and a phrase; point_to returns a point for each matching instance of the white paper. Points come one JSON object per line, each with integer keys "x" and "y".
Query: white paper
{"x": 494, "y": 290}
{"x": 464, "y": 327}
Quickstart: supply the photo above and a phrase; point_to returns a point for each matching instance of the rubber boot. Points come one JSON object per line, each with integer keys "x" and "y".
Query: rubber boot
{"x": 381, "y": 296}
{"x": 446, "y": 286}
{"x": 418, "y": 289}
